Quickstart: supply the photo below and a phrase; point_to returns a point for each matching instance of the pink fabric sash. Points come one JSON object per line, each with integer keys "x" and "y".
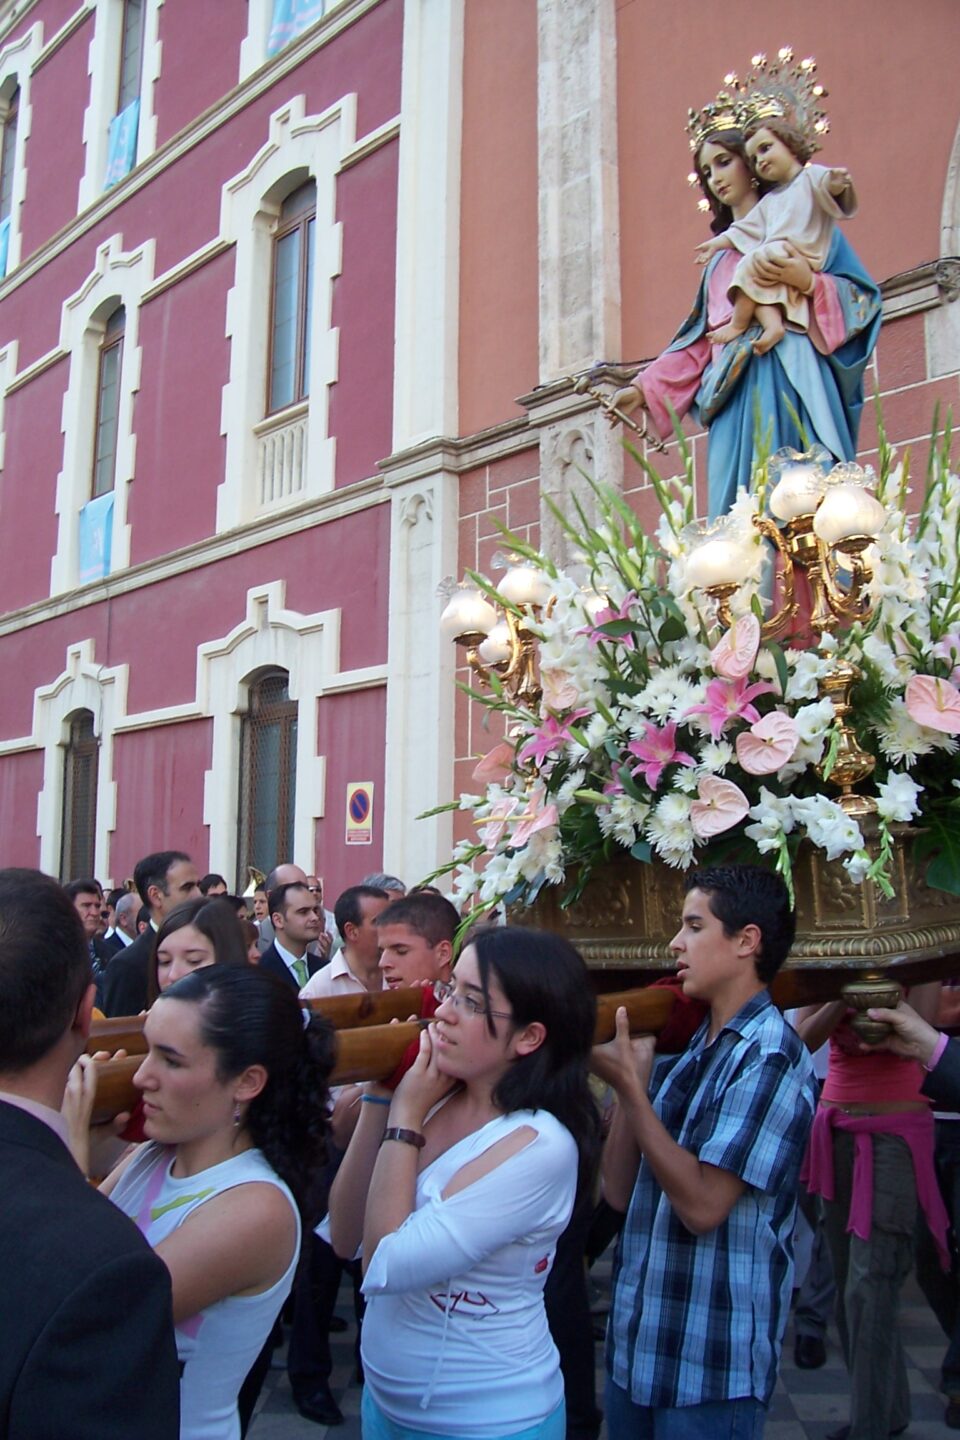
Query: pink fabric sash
{"x": 913, "y": 1126}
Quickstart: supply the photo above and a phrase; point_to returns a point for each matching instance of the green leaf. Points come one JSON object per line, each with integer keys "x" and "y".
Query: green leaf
{"x": 641, "y": 851}
{"x": 780, "y": 661}
{"x": 940, "y": 839}
{"x": 671, "y": 629}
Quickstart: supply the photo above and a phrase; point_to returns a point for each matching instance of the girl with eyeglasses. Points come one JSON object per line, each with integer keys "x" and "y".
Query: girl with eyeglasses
{"x": 474, "y": 1181}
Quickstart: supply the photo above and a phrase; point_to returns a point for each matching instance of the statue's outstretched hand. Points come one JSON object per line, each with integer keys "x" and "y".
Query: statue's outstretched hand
{"x": 626, "y": 400}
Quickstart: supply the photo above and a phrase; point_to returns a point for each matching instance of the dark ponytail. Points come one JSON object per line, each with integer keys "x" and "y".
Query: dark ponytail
{"x": 250, "y": 1017}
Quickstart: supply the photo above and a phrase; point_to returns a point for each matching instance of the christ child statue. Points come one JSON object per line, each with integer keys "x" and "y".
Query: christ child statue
{"x": 796, "y": 216}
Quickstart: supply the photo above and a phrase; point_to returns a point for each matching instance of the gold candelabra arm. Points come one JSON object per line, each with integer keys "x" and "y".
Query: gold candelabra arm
{"x": 519, "y": 672}
{"x": 780, "y": 623}
{"x": 851, "y": 604}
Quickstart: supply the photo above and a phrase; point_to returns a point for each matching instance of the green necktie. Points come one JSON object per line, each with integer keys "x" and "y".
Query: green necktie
{"x": 301, "y": 972}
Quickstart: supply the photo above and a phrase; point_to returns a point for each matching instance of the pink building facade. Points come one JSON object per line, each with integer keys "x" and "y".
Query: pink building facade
{"x": 261, "y": 393}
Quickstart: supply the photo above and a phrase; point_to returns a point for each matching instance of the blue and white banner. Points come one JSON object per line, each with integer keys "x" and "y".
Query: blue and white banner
{"x": 290, "y": 17}
{"x": 96, "y": 535}
{"x": 122, "y": 152}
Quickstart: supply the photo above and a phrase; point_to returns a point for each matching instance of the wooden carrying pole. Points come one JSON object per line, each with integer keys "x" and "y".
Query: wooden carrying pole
{"x": 373, "y": 1052}
{"x": 345, "y": 1012}
{"x": 794, "y": 986}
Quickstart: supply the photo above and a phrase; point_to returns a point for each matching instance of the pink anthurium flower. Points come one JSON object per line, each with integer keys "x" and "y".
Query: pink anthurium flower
{"x": 496, "y": 764}
{"x": 734, "y": 654}
{"x": 656, "y": 751}
{"x": 729, "y": 700}
{"x": 768, "y": 744}
{"x": 721, "y": 805}
{"x": 496, "y": 822}
{"x": 550, "y": 738}
{"x": 934, "y": 703}
{"x": 536, "y": 816}
{"x": 560, "y": 691}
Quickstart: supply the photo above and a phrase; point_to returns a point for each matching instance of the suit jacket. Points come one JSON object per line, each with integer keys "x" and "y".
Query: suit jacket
{"x": 272, "y": 960}
{"x": 942, "y": 1084}
{"x": 86, "y": 1330}
{"x": 108, "y": 946}
{"x": 124, "y": 988}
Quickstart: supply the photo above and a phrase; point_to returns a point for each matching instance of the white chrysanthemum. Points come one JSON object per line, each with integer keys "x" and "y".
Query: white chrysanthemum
{"x": 715, "y": 756}
{"x": 623, "y": 819}
{"x": 669, "y": 830}
{"x": 565, "y": 795}
{"x": 898, "y": 798}
{"x": 902, "y": 740}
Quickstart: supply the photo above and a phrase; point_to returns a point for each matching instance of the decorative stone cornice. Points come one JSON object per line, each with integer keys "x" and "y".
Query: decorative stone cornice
{"x": 910, "y": 292}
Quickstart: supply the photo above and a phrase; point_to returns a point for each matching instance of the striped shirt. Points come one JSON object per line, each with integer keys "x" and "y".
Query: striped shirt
{"x": 700, "y": 1318}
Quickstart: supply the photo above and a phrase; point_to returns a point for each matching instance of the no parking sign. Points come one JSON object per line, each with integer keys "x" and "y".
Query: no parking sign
{"x": 360, "y": 812}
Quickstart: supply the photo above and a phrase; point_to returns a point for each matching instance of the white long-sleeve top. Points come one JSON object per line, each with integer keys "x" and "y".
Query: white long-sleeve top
{"x": 455, "y": 1337}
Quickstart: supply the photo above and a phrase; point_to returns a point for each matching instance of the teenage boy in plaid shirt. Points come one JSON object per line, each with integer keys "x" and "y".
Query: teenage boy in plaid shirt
{"x": 706, "y": 1166}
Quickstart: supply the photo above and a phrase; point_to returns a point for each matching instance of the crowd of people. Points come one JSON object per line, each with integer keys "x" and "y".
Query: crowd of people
{"x": 462, "y": 1194}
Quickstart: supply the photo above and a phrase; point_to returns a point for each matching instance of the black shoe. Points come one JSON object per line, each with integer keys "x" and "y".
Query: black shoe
{"x": 842, "y": 1432}
{"x": 951, "y": 1416}
{"x": 337, "y": 1325}
{"x": 319, "y": 1405}
{"x": 809, "y": 1352}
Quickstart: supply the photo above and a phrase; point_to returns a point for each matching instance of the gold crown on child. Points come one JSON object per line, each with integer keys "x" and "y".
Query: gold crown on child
{"x": 773, "y": 89}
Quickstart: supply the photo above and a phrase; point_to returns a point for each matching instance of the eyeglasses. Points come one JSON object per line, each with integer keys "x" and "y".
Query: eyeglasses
{"x": 446, "y": 990}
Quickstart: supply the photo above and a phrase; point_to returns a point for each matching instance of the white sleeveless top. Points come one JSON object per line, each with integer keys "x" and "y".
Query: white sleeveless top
{"x": 217, "y": 1347}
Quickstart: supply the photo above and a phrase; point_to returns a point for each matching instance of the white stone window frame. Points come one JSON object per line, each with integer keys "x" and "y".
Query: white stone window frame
{"x": 299, "y": 148}
{"x": 16, "y": 69}
{"x": 103, "y": 67}
{"x": 118, "y": 278}
{"x": 82, "y": 685}
{"x": 270, "y": 637}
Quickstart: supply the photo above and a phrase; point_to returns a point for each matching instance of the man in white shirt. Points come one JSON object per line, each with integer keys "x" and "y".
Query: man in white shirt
{"x": 356, "y": 968}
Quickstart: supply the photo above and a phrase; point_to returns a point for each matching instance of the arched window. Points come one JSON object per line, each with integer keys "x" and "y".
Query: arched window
{"x": 292, "y": 293}
{"x": 78, "y": 832}
{"x": 267, "y": 788}
{"x": 108, "y": 404}
{"x": 9, "y": 114}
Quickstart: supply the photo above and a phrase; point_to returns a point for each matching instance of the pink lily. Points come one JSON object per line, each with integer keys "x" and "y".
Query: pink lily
{"x": 729, "y": 700}
{"x": 604, "y": 617}
{"x": 550, "y": 738}
{"x": 656, "y": 751}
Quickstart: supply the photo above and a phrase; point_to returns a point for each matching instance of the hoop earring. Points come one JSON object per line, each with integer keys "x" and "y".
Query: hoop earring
{"x": 754, "y": 183}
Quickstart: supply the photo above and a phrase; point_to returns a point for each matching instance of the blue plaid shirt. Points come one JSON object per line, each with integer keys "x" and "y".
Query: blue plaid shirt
{"x": 700, "y": 1318}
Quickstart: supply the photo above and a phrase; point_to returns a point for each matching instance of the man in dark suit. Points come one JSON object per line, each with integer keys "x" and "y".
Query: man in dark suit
{"x": 297, "y": 922}
{"x": 86, "y": 1328}
{"x": 164, "y": 880}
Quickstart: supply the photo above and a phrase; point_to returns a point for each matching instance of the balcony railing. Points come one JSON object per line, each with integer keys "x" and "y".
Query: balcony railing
{"x": 282, "y": 456}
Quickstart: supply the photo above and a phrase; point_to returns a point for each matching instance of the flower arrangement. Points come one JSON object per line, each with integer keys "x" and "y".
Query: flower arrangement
{"x": 663, "y": 732}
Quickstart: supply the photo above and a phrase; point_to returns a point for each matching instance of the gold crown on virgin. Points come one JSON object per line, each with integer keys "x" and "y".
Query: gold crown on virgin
{"x": 773, "y": 88}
